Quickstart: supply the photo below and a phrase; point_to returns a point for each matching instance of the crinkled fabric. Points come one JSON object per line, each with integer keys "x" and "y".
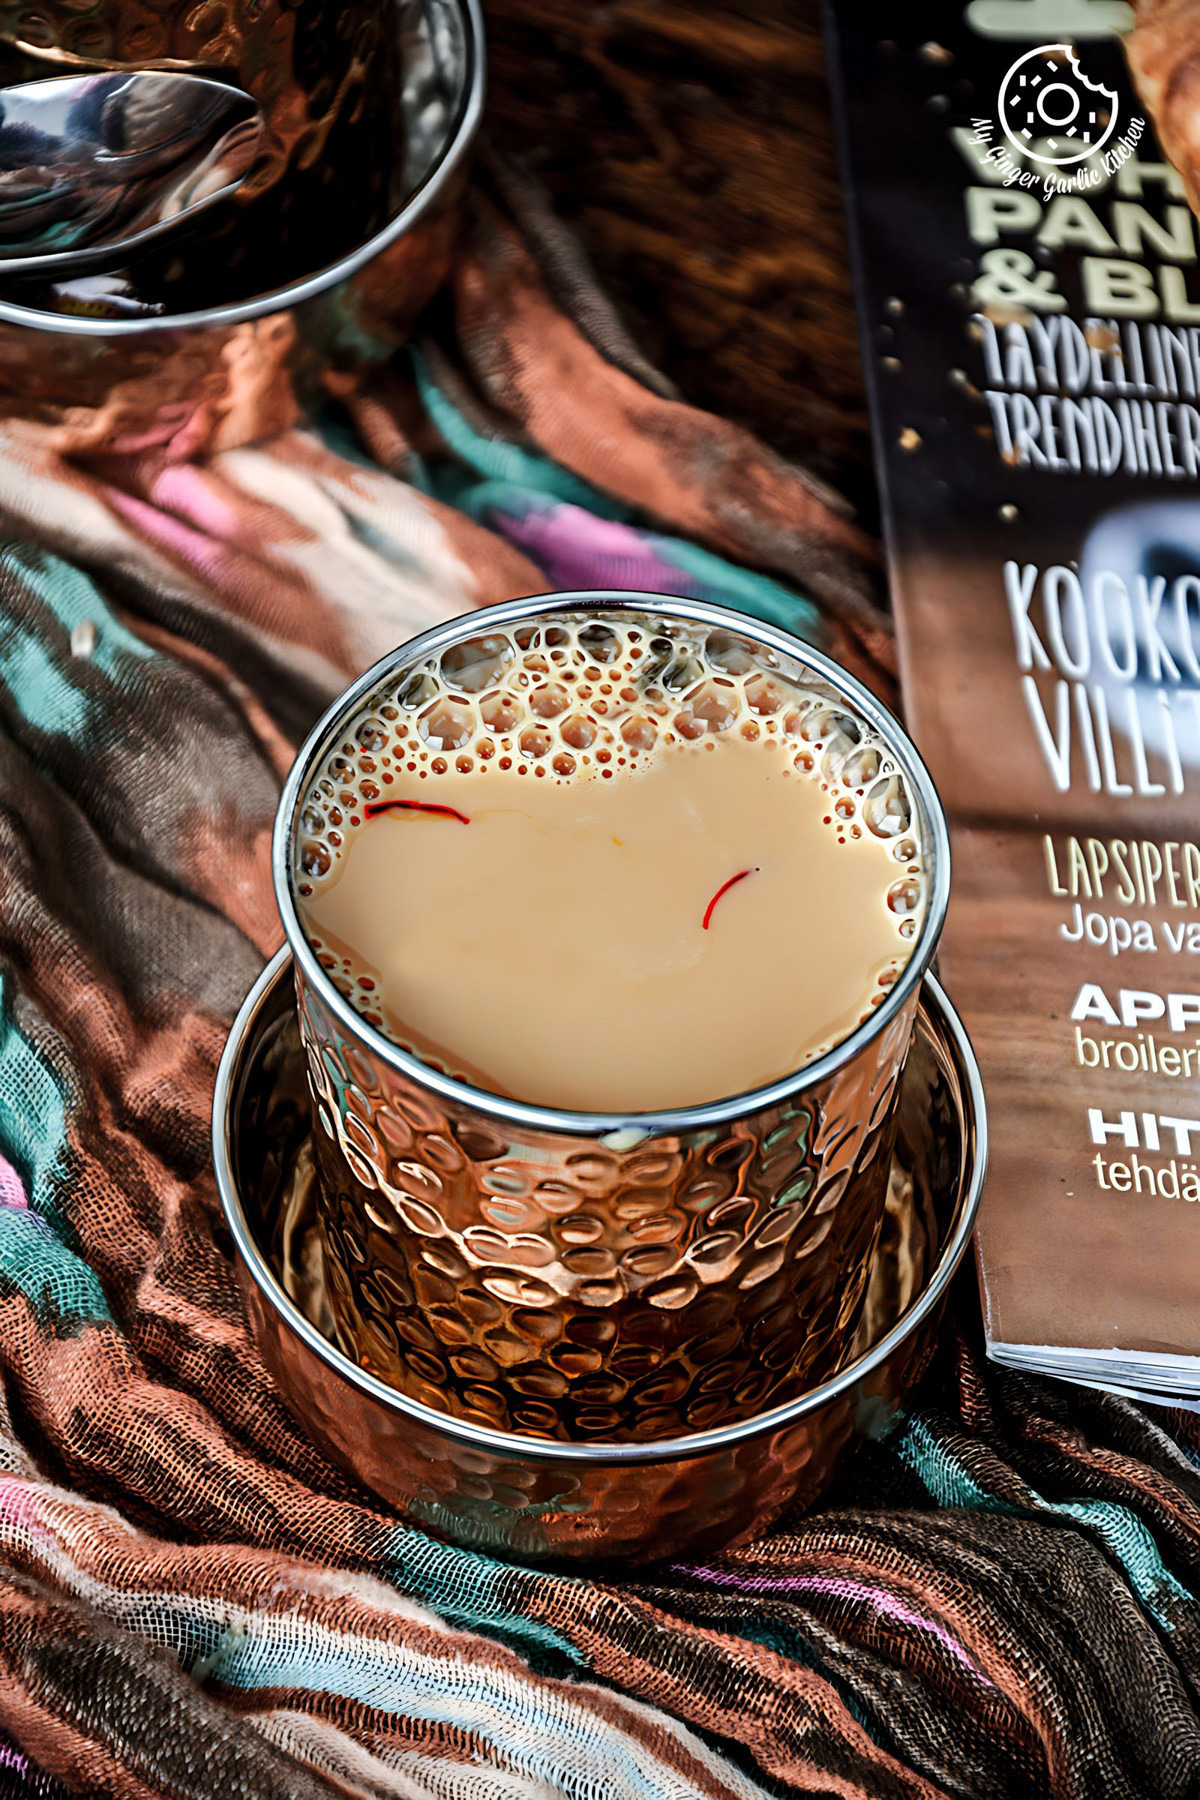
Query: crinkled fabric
{"x": 998, "y": 1601}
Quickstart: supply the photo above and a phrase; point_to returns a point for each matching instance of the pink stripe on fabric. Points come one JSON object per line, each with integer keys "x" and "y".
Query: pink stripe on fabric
{"x": 182, "y": 488}
{"x": 207, "y": 554}
{"x": 19, "y": 1505}
{"x": 575, "y": 548}
{"x": 12, "y": 1188}
{"x": 840, "y": 1588}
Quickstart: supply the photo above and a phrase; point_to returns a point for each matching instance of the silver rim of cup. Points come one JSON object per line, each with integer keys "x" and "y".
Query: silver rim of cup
{"x": 282, "y": 299}
{"x": 975, "y": 1154}
{"x": 545, "y": 1118}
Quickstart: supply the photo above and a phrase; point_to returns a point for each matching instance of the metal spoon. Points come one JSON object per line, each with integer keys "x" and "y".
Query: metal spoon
{"x": 94, "y": 166}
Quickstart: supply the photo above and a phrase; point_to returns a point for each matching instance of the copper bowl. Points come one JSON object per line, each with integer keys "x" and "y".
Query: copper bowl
{"x": 205, "y": 377}
{"x": 538, "y": 1500}
{"x": 324, "y": 75}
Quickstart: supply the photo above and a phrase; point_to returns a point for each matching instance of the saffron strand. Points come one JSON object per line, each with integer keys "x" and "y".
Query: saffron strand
{"x": 724, "y": 889}
{"x": 425, "y": 806}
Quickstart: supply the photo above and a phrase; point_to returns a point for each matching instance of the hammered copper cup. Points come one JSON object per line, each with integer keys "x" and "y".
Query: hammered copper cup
{"x": 586, "y": 1276}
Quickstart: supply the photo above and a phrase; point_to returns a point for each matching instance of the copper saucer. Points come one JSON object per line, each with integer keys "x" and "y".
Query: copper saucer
{"x": 536, "y": 1499}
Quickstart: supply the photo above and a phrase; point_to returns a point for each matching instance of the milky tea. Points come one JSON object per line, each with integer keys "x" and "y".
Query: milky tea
{"x": 615, "y": 864}
{"x": 508, "y": 866}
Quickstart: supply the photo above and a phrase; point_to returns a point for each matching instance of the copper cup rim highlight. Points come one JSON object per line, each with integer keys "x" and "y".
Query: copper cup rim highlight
{"x": 672, "y": 1121}
{"x": 454, "y": 149}
{"x": 513, "y": 1444}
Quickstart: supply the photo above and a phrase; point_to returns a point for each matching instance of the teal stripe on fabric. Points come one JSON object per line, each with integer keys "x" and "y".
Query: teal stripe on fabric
{"x": 474, "y": 1592}
{"x": 1133, "y": 1547}
{"x": 511, "y": 499}
{"x": 34, "y": 1258}
{"x": 742, "y": 588}
{"x": 72, "y": 598}
{"x": 38, "y": 679}
{"x": 514, "y": 481}
{"x": 478, "y": 499}
{"x": 498, "y": 458}
{"x": 33, "y": 1114}
{"x": 35, "y": 681}
{"x": 919, "y": 1448}
{"x": 708, "y": 576}
{"x": 529, "y": 1732}
{"x": 60, "y": 1286}
{"x": 1129, "y": 1541}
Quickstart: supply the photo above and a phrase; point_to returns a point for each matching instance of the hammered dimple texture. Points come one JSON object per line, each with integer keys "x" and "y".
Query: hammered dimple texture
{"x": 556, "y": 1502}
{"x": 562, "y": 1512}
{"x": 579, "y": 1288}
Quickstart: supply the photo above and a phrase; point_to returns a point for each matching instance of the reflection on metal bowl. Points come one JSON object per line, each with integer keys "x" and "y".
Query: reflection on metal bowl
{"x": 193, "y": 378}
{"x": 538, "y": 1500}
